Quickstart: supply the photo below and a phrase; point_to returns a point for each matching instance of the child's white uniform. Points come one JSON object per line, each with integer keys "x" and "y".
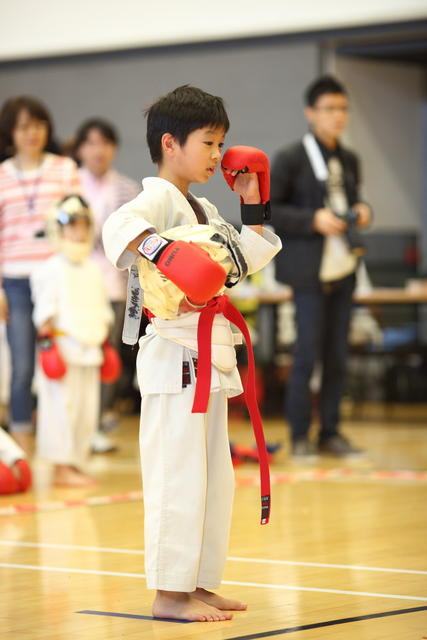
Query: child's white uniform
{"x": 186, "y": 465}
{"x": 72, "y": 295}
{"x": 10, "y": 451}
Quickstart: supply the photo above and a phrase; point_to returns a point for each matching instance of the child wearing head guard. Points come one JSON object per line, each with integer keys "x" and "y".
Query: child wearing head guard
{"x": 72, "y": 316}
{"x": 182, "y": 253}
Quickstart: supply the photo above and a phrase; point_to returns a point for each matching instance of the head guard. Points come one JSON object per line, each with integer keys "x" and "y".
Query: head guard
{"x": 66, "y": 212}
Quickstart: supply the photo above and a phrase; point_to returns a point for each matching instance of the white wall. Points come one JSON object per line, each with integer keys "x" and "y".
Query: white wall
{"x": 386, "y": 128}
{"x": 34, "y": 28}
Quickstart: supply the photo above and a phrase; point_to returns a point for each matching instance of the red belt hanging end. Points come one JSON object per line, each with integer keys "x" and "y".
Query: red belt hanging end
{"x": 222, "y": 304}
{"x": 265, "y": 509}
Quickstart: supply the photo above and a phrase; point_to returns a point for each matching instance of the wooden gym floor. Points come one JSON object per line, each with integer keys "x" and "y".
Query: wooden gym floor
{"x": 345, "y": 554}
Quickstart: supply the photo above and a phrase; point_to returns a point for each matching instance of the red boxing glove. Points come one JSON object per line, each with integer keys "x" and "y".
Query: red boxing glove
{"x": 250, "y": 160}
{"x": 8, "y": 480}
{"x": 15, "y": 479}
{"x": 50, "y": 359}
{"x": 23, "y": 471}
{"x": 112, "y": 365}
{"x": 185, "y": 264}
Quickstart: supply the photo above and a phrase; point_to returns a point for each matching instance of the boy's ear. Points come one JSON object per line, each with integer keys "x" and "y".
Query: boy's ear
{"x": 169, "y": 144}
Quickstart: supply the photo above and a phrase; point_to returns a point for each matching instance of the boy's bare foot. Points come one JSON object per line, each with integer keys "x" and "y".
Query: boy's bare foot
{"x": 68, "y": 476}
{"x": 213, "y": 599}
{"x": 181, "y": 606}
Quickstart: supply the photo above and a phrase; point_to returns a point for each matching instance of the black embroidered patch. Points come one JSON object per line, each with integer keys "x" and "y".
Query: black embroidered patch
{"x": 186, "y": 374}
{"x": 134, "y": 303}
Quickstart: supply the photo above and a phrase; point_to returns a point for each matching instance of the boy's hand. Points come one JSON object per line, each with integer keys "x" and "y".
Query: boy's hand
{"x": 246, "y": 185}
{"x": 46, "y": 328}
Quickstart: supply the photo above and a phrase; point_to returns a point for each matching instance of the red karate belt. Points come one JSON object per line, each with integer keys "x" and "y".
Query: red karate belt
{"x": 222, "y": 304}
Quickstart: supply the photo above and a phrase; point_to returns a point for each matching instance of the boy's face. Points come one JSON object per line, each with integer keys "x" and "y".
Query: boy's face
{"x": 329, "y": 115}
{"x": 78, "y": 230}
{"x": 197, "y": 159}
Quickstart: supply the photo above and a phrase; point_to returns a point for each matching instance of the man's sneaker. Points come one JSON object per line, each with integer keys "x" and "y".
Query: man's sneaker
{"x": 102, "y": 444}
{"x": 304, "y": 450}
{"x": 339, "y": 446}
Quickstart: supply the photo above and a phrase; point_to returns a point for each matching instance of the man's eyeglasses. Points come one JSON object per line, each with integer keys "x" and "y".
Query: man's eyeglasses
{"x": 330, "y": 110}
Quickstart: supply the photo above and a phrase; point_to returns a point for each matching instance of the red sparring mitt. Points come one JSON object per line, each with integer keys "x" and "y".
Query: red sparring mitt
{"x": 187, "y": 265}
{"x": 8, "y": 480}
{"x": 249, "y": 160}
{"x": 23, "y": 472}
{"x": 112, "y": 366}
{"x": 17, "y": 480}
{"x": 50, "y": 359}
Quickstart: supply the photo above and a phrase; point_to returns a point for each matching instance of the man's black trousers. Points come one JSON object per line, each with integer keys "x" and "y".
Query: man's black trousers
{"x": 322, "y": 319}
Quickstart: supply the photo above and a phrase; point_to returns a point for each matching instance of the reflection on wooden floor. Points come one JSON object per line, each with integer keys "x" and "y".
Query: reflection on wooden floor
{"x": 342, "y": 546}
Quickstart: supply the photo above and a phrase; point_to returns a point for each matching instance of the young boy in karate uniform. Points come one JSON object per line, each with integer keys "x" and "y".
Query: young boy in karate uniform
{"x": 186, "y": 466}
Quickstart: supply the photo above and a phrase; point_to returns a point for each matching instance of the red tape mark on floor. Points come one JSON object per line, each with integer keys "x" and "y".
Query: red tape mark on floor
{"x": 92, "y": 501}
{"x": 241, "y": 481}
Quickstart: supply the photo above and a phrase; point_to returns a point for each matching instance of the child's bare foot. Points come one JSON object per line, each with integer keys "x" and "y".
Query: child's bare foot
{"x": 213, "y": 599}
{"x": 68, "y": 476}
{"x": 181, "y": 606}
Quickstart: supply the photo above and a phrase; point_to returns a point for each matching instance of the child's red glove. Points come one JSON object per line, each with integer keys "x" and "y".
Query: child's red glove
{"x": 112, "y": 366}
{"x": 50, "y": 359}
{"x": 15, "y": 480}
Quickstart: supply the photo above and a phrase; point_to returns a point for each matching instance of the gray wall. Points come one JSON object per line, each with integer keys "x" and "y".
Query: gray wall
{"x": 424, "y": 179}
{"x": 386, "y": 127}
{"x": 262, "y": 84}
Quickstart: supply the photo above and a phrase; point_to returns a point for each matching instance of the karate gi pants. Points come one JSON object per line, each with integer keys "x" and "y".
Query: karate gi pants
{"x": 188, "y": 482}
{"x": 68, "y": 414}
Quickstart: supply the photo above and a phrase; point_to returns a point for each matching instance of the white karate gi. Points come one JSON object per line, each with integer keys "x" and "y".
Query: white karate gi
{"x": 10, "y": 451}
{"x": 74, "y": 296}
{"x": 186, "y": 464}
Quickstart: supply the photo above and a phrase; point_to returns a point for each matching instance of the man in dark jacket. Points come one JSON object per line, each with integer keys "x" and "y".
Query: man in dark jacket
{"x": 316, "y": 209}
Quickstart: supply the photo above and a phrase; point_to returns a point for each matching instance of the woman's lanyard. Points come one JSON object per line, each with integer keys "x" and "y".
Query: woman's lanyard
{"x": 31, "y": 198}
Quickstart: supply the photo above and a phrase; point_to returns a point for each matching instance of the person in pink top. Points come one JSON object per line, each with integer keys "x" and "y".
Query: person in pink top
{"x": 95, "y": 147}
{"x": 32, "y": 179}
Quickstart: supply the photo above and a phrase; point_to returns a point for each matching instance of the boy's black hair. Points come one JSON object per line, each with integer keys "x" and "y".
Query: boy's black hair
{"x": 181, "y": 112}
{"x": 322, "y": 85}
{"x": 9, "y": 116}
{"x": 105, "y": 128}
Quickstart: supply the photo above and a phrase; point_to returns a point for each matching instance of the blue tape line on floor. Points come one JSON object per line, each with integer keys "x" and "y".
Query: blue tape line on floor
{"x": 132, "y": 615}
{"x": 330, "y": 623}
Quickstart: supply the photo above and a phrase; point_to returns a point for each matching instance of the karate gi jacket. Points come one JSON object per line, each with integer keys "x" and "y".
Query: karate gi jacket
{"x": 159, "y": 207}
